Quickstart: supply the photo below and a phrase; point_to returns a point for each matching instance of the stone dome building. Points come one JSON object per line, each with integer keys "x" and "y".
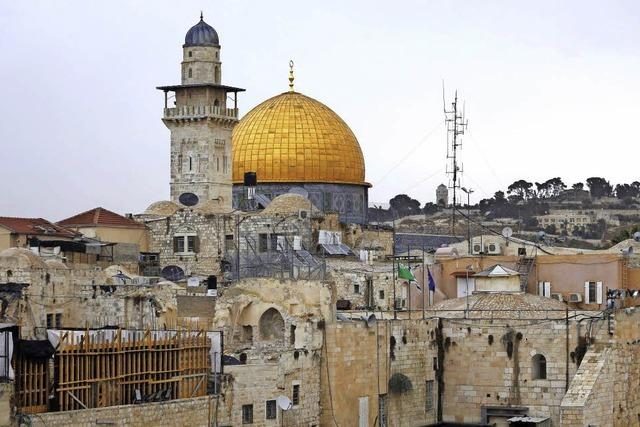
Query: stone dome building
{"x": 292, "y": 141}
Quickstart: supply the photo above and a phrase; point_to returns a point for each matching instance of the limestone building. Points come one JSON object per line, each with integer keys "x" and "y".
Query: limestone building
{"x": 442, "y": 195}
{"x": 292, "y": 141}
{"x": 201, "y": 122}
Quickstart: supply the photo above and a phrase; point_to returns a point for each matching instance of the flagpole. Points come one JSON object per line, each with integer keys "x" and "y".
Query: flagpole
{"x": 424, "y": 284}
{"x": 393, "y": 219}
{"x": 409, "y": 282}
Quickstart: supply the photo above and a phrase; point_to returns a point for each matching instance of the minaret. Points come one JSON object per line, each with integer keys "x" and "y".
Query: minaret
{"x": 201, "y": 123}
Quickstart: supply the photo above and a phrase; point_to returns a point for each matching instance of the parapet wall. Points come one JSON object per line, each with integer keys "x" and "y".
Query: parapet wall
{"x": 184, "y": 412}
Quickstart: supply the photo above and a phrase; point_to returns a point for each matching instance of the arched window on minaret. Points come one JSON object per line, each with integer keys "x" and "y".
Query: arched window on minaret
{"x": 216, "y": 103}
{"x": 217, "y": 74}
{"x": 190, "y": 72}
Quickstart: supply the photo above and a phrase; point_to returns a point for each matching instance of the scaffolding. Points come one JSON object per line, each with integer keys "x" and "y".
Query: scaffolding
{"x": 100, "y": 368}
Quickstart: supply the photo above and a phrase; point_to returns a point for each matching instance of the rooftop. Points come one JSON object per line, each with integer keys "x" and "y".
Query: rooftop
{"x": 99, "y": 217}
{"x": 35, "y": 227}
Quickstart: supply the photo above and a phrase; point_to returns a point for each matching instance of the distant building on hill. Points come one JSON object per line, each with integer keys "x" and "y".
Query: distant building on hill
{"x": 442, "y": 195}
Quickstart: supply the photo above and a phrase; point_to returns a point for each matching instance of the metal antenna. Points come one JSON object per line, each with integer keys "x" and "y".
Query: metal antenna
{"x": 456, "y": 124}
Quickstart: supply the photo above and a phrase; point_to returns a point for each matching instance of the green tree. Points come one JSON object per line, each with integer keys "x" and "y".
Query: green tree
{"x": 599, "y": 187}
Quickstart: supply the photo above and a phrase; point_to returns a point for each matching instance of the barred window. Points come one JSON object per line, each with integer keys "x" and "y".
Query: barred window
{"x": 428, "y": 403}
{"x": 247, "y": 414}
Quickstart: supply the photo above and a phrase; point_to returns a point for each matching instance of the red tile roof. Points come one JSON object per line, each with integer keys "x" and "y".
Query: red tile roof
{"x": 35, "y": 227}
{"x": 100, "y": 216}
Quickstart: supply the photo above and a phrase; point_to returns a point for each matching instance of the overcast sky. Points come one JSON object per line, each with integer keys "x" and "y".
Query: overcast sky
{"x": 551, "y": 88}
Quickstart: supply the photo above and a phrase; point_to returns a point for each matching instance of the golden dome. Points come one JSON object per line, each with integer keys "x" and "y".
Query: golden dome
{"x": 294, "y": 138}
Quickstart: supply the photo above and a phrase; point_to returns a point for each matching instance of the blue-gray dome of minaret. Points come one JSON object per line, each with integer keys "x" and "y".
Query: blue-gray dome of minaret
{"x": 201, "y": 34}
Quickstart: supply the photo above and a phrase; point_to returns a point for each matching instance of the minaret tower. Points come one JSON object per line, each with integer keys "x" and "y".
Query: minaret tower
{"x": 201, "y": 122}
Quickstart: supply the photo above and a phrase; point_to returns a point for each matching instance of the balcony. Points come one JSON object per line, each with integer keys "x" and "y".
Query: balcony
{"x": 200, "y": 111}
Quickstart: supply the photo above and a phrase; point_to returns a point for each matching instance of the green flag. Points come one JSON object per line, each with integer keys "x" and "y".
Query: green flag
{"x": 405, "y": 273}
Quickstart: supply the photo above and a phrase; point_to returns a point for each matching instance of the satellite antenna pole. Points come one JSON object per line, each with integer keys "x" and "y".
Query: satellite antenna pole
{"x": 456, "y": 124}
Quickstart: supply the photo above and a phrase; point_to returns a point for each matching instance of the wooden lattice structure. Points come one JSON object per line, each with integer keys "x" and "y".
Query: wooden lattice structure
{"x": 105, "y": 368}
{"x": 31, "y": 384}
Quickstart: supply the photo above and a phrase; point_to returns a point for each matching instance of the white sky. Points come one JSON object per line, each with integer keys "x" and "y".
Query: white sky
{"x": 551, "y": 89}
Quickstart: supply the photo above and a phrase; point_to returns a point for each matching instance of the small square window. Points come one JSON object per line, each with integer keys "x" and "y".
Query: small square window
{"x": 247, "y": 414}
{"x": 356, "y": 289}
{"x": 270, "y": 410}
{"x": 381, "y": 294}
{"x": 190, "y": 54}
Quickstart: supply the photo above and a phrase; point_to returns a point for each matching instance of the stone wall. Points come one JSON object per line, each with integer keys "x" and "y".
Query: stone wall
{"x": 349, "y": 279}
{"x": 358, "y": 363}
{"x": 6, "y": 403}
{"x": 606, "y": 389}
{"x": 184, "y": 412}
{"x": 80, "y": 296}
{"x": 210, "y": 230}
{"x": 491, "y": 363}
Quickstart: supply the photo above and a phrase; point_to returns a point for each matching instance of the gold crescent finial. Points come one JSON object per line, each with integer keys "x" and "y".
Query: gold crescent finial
{"x": 291, "y": 78}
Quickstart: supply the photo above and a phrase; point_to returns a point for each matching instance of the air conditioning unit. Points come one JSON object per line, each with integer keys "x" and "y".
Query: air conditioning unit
{"x": 558, "y": 297}
{"x": 493, "y": 249}
{"x": 399, "y": 304}
{"x": 575, "y": 298}
{"x": 476, "y": 249}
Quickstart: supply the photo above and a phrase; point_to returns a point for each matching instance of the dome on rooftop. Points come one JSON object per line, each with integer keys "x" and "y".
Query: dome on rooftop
{"x": 201, "y": 34}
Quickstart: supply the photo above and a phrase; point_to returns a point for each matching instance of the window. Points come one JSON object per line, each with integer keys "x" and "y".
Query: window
{"x": 544, "y": 289}
{"x": 292, "y": 335}
{"x": 54, "y": 320}
{"x": 381, "y": 294}
{"x": 356, "y": 288}
{"x": 263, "y": 240}
{"x": 190, "y": 54}
{"x": 428, "y": 400}
{"x": 593, "y": 292}
{"x": 382, "y": 410}
{"x": 190, "y": 163}
{"x": 539, "y": 367}
{"x": 295, "y": 398}
{"x": 270, "y": 410}
{"x": 247, "y": 414}
{"x": 185, "y": 243}
{"x": 190, "y": 73}
{"x": 224, "y": 164}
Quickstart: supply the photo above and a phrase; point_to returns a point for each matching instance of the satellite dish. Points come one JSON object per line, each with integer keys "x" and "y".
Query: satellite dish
{"x": 188, "y": 199}
{"x": 284, "y": 403}
{"x": 636, "y": 236}
{"x": 507, "y": 232}
{"x": 541, "y": 235}
{"x": 371, "y": 320}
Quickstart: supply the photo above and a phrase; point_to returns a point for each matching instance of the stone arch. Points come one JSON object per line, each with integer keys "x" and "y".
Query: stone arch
{"x": 538, "y": 367}
{"x": 271, "y": 326}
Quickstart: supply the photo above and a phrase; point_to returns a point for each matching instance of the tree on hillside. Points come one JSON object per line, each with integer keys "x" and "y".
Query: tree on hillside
{"x": 550, "y": 188}
{"x": 521, "y": 188}
{"x": 578, "y": 186}
{"x": 599, "y": 187}
{"x": 403, "y": 205}
{"x": 430, "y": 208}
{"x": 626, "y": 191}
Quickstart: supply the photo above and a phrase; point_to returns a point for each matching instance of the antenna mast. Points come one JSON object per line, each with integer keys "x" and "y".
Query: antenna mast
{"x": 456, "y": 124}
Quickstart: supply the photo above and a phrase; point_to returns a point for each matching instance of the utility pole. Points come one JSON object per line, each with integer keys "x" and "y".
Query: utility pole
{"x": 468, "y": 191}
{"x": 456, "y": 124}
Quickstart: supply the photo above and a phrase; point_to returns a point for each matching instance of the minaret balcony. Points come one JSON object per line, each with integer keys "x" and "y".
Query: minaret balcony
{"x": 200, "y": 111}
